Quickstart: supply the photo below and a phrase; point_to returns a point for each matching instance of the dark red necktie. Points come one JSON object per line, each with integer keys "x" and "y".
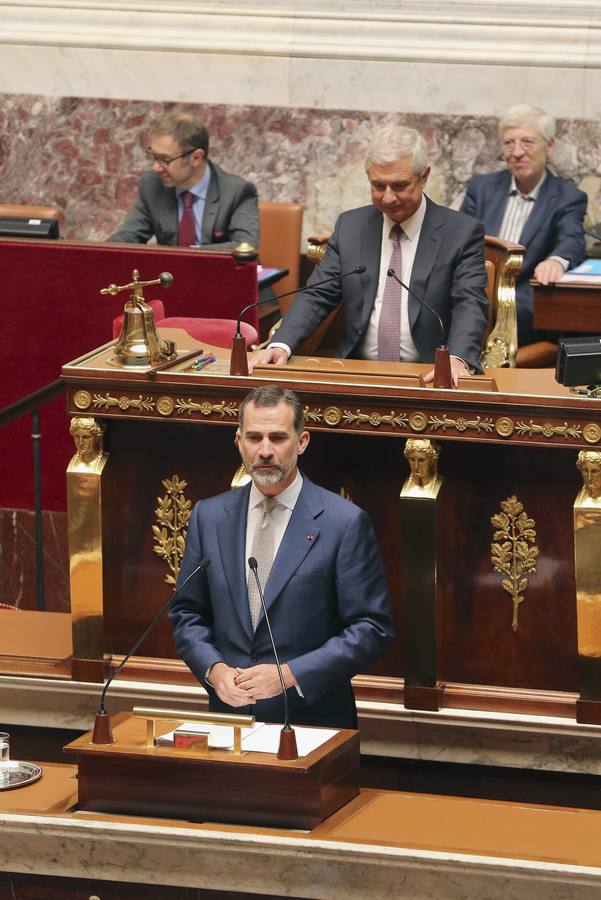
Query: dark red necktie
{"x": 187, "y": 225}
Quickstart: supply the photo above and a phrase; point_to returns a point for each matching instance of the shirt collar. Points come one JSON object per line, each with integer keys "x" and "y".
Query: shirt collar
{"x": 411, "y": 227}
{"x": 287, "y": 497}
{"x": 200, "y": 188}
{"x": 514, "y": 189}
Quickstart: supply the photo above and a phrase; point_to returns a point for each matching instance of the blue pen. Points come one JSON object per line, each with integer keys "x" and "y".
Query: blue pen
{"x": 203, "y": 361}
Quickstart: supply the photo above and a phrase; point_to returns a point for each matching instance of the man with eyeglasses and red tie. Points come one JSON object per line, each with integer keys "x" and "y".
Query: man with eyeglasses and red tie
{"x": 527, "y": 204}
{"x": 187, "y": 199}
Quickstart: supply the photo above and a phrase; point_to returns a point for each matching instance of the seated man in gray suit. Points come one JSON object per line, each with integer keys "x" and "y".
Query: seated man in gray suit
{"x": 319, "y": 563}
{"x": 527, "y": 204}
{"x": 437, "y": 252}
{"x": 187, "y": 199}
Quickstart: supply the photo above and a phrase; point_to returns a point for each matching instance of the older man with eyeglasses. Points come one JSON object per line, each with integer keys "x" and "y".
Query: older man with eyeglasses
{"x": 528, "y": 204}
{"x": 186, "y": 198}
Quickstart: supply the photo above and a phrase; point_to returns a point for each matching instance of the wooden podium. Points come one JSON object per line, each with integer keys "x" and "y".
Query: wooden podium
{"x": 520, "y": 442}
{"x": 252, "y": 788}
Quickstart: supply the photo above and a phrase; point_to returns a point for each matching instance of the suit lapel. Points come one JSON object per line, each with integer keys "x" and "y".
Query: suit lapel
{"x": 168, "y": 216}
{"x": 546, "y": 200}
{"x": 301, "y": 535}
{"x": 496, "y": 202}
{"x": 427, "y": 251}
{"x": 369, "y": 253}
{"x": 231, "y": 536}
{"x": 209, "y": 215}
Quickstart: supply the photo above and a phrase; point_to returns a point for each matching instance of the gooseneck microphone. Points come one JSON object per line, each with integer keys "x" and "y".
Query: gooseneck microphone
{"x": 443, "y": 377}
{"x": 238, "y": 361}
{"x": 358, "y": 270}
{"x": 103, "y": 733}
{"x": 392, "y": 274}
{"x": 287, "y": 748}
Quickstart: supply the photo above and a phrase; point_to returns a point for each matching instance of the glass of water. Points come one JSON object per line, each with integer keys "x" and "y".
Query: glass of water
{"x": 4, "y": 757}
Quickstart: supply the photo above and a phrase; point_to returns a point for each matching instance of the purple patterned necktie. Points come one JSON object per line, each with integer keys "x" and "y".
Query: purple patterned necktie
{"x": 187, "y": 225}
{"x": 389, "y": 325}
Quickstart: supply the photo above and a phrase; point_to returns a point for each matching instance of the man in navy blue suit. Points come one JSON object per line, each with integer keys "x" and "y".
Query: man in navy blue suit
{"x": 529, "y": 205}
{"x": 325, "y": 591}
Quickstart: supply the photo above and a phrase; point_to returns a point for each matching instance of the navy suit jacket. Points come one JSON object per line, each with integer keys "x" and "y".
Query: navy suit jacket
{"x": 553, "y": 228}
{"x": 326, "y": 596}
{"x": 231, "y": 212}
{"x": 448, "y": 273}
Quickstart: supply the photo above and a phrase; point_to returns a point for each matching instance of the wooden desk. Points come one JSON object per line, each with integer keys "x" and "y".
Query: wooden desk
{"x": 382, "y": 845}
{"x": 567, "y": 307}
{"x": 522, "y": 441}
{"x": 252, "y": 788}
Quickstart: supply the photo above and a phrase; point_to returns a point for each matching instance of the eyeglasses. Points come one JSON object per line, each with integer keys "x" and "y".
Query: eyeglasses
{"x": 165, "y": 161}
{"x": 527, "y": 145}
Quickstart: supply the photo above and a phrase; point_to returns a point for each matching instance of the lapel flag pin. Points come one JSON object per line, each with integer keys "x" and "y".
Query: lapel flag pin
{"x": 309, "y": 537}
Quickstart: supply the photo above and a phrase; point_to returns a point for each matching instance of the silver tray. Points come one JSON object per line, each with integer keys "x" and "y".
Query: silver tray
{"x": 19, "y": 774}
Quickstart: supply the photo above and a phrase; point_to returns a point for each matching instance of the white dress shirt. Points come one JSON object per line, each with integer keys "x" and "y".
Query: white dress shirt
{"x": 280, "y": 516}
{"x": 410, "y": 232}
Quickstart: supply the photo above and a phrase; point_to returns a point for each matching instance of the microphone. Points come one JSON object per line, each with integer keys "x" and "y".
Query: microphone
{"x": 238, "y": 361}
{"x": 392, "y": 274}
{"x": 103, "y": 733}
{"x": 287, "y": 748}
{"x": 442, "y": 365}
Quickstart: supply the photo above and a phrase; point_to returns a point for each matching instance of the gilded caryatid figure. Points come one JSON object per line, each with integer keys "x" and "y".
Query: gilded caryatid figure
{"x": 589, "y": 465}
{"x": 422, "y": 455}
{"x": 587, "y": 559}
{"x": 84, "y": 503}
{"x": 88, "y": 435}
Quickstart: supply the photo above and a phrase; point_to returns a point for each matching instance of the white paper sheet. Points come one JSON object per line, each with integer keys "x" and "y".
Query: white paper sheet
{"x": 261, "y": 738}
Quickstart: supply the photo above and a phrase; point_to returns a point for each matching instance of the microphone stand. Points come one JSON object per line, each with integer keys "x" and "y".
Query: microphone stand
{"x": 238, "y": 359}
{"x": 287, "y": 748}
{"x": 103, "y": 732}
{"x": 443, "y": 377}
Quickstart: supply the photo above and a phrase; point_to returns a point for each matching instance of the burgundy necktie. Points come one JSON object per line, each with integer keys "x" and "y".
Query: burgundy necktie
{"x": 187, "y": 225}
{"x": 389, "y": 325}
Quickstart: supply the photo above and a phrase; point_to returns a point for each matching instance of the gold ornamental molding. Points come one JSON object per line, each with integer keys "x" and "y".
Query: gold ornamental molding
{"x": 513, "y": 551}
{"x": 165, "y": 406}
{"x": 461, "y": 424}
{"x": 205, "y": 408}
{"x": 504, "y": 426}
{"x": 548, "y": 430}
{"x": 592, "y": 433}
{"x": 106, "y": 401}
{"x": 82, "y": 399}
{"x": 173, "y": 516}
{"x": 313, "y": 415}
{"x": 332, "y": 416}
{"x": 375, "y": 419}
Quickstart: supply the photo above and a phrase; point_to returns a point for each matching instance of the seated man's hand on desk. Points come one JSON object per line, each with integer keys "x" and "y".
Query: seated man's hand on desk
{"x": 549, "y": 271}
{"x": 276, "y": 356}
{"x": 459, "y": 369}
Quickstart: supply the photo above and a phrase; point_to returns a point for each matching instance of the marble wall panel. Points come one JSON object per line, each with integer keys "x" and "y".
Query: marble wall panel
{"x": 86, "y": 154}
{"x": 18, "y": 560}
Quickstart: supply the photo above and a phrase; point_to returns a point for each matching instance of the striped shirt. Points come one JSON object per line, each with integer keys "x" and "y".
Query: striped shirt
{"x": 518, "y": 208}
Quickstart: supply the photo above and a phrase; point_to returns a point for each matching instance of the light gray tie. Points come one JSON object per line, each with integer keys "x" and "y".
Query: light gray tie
{"x": 263, "y": 547}
{"x": 389, "y": 325}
